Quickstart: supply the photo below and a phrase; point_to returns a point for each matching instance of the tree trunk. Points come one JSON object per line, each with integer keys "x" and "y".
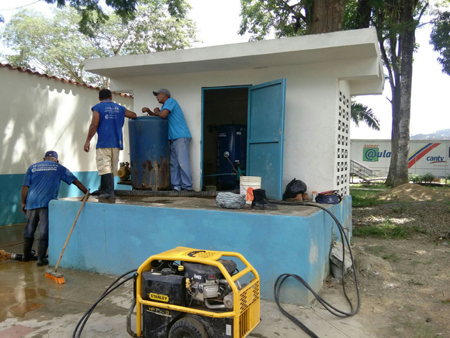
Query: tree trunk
{"x": 327, "y": 16}
{"x": 395, "y": 132}
{"x": 401, "y": 98}
{"x": 404, "y": 116}
{"x": 391, "y": 59}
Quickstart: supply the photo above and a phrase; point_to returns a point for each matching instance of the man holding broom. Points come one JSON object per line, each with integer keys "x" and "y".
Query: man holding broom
{"x": 40, "y": 185}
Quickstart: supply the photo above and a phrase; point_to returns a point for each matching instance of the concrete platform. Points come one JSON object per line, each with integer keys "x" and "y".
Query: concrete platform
{"x": 33, "y": 306}
{"x": 113, "y": 236}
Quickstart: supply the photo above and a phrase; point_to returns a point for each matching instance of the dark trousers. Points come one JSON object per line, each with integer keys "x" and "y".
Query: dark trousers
{"x": 35, "y": 217}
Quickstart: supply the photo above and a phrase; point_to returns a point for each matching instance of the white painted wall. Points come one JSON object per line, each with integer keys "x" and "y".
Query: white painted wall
{"x": 40, "y": 114}
{"x": 311, "y": 110}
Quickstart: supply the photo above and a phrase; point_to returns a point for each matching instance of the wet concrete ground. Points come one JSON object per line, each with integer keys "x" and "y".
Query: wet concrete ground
{"x": 33, "y": 306}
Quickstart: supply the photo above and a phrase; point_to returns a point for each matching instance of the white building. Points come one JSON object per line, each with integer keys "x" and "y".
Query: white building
{"x": 293, "y": 94}
{"x": 40, "y": 113}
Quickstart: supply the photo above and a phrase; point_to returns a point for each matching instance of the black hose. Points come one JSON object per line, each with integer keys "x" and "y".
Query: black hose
{"x": 108, "y": 290}
{"x": 280, "y": 280}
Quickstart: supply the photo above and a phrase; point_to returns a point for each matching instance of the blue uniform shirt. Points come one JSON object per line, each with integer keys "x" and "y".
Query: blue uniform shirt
{"x": 177, "y": 124}
{"x": 109, "y": 131}
{"x": 43, "y": 180}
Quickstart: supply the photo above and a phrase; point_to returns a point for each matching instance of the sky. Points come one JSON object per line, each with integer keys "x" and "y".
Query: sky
{"x": 430, "y": 103}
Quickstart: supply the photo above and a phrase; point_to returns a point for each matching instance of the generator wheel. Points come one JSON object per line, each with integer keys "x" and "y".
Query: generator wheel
{"x": 188, "y": 327}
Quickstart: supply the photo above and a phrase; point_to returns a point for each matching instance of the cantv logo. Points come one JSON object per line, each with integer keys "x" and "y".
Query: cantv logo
{"x": 371, "y": 153}
{"x": 422, "y": 152}
{"x": 436, "y": 159}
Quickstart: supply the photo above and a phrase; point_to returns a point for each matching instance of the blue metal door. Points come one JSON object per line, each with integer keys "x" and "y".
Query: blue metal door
{"x": 265, "y": 135}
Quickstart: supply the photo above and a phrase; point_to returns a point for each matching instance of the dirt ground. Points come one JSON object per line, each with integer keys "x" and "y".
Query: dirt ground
{"x": 404, "y": 284}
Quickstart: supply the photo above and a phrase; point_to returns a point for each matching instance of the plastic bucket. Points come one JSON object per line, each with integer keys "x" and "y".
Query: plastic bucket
{"x": 248, "y": 184}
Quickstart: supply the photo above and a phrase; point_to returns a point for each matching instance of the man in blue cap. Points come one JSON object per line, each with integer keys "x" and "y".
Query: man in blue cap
{"x": 40, "y": 186}
{"x": 179, "y": 137}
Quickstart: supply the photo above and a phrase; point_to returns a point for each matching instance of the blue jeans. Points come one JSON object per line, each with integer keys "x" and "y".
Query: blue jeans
{"x": 35, "y": 217}
{"x": 180, "y": 166}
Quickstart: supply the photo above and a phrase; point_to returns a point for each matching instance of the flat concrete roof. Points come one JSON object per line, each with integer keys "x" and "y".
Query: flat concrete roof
{"x": 343, "y": 45}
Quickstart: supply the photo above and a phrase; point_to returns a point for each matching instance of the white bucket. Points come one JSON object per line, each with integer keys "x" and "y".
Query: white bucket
{"x": 253, "y": 182}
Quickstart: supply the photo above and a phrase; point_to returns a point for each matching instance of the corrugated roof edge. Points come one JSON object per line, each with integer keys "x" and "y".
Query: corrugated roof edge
{"x": 32, "y": 72}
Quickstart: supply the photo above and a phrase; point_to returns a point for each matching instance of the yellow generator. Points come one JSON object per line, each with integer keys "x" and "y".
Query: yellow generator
{"x": 194, "y": 293}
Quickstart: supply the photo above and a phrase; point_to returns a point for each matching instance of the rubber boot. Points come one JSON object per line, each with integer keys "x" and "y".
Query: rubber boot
{"x": 101, "y": 189}
{"x": 109, "y": 187}
{"x": 42, "y": 253}
{"x": 27, "y": 246}
{"x": 260, "y": 201}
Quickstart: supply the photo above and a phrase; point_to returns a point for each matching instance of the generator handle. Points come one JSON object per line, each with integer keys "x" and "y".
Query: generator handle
{"x": 130, "y": 312}
{"x": 241, "y": 273}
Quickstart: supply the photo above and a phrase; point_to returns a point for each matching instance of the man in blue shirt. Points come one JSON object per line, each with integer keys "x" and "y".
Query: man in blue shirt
{"x": 40, "y": 186}
{"x": 107, "y": 121}
{"x": 179, "y": 137}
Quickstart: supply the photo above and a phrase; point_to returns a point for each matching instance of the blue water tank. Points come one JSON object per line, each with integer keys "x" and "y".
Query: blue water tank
{"x": 149, "y": 153}
{"x": 231, "y": 138}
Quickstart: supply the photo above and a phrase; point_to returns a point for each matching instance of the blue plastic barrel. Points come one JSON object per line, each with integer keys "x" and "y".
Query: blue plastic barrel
{"x": 149, "y": 153}
{"x": 231, "y": 138}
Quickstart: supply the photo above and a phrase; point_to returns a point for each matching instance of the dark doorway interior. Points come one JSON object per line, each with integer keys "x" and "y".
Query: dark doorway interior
{"x": 224, "y": 131}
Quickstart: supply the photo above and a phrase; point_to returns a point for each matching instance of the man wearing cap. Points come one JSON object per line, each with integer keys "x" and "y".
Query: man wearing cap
{"x": 40, "y": 185}
{"x": 107, "y": 121}
{"x": 179, "y": 137}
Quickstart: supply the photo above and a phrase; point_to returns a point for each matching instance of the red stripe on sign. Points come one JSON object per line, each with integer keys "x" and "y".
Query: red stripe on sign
{"x": 422, "y": 154}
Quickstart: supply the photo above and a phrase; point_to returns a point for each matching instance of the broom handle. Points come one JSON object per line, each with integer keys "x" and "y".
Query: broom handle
{"x": 73, "y": 226}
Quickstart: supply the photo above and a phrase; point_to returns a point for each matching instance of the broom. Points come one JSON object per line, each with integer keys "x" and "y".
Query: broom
{"x": 53, "y": 274}
{"x": 4, "y": 255}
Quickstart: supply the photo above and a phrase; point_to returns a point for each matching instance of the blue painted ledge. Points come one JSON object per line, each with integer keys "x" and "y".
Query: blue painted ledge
{"x": 115, "y": 238}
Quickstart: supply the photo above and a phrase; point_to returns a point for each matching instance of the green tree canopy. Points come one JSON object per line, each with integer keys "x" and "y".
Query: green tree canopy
{"x": 92, "y": 15}
{"x": 283, "y": 18}
{"x": 54, "y": 45}
{"x": 440, "y": 38}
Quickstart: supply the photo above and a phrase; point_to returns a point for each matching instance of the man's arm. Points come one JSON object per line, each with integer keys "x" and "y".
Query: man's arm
{"x": 24, "y": 194}
{"x": 130, "y": 114}
{"x": 80, "y": 186}
{"x": 92, "y": 130}
{"x": 148, "y": 111}
{"x": 161, "y": 113}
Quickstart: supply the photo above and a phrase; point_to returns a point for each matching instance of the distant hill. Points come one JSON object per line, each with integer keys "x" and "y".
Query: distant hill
{"x": 443, "y": 134}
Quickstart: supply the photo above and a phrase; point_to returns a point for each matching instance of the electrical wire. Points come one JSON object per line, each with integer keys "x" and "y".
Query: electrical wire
{"x": 282, "y": 278}
{"x": 277, "y": 286}
{"x": 108, "y": 290}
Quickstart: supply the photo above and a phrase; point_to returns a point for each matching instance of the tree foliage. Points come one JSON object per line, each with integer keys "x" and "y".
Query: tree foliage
{"x": 440, "y": 38}
{"x": 54, "y": 45}
{"x": 283, "y": 18}
{"x": 362, "y": 113}
{"x": 92, "y": 15}
{"x": 290, "y": 17}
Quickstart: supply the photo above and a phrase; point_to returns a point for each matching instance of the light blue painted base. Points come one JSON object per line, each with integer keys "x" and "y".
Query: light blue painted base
{"x": 115, "y": 238}
{"x": 10, "y": 199}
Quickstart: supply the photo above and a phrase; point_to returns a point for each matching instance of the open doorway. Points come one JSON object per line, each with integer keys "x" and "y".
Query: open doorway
{"x": 224, "y": 137}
